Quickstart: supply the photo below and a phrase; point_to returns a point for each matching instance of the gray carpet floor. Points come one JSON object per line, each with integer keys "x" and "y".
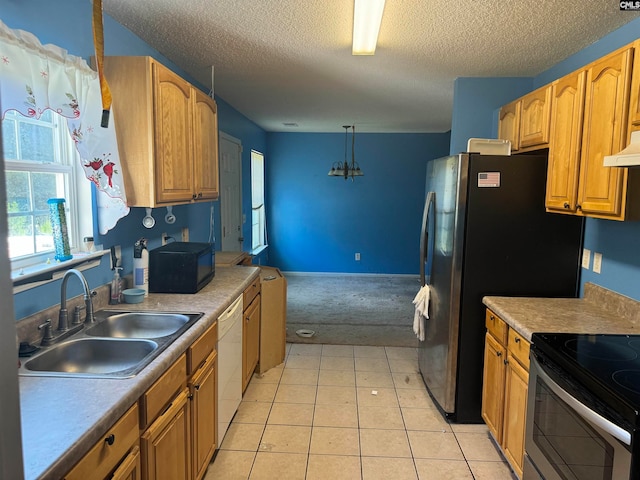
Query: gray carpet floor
{"x": 352, "y": 309}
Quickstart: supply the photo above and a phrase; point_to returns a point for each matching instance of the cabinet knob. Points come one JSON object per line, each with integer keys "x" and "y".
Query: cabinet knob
{"x": 194, "y": 196}
{"x": 110, "y": 440}
{"x": 492, "y": 318}
{"x": 578, "y": 207}
{"x": 566, "y": 205}
{"x": 517, "y": 340}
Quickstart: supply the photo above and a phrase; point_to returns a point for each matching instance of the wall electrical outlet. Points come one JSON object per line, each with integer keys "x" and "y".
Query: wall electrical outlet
{"x": 586, "y": 258}
{"x": 164, "y": 239}
{"x": 357, "y": 256}
{"x": 597, "y": 262}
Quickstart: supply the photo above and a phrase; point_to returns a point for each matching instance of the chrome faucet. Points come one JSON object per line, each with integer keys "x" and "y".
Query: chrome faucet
{"x": 63, "y": 318}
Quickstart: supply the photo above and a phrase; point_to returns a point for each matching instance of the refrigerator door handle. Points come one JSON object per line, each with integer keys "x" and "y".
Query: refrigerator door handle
{"x": 424, "y": 236}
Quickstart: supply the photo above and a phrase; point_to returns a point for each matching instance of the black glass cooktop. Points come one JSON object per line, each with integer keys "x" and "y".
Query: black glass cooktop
{"x": 608, "y": 366}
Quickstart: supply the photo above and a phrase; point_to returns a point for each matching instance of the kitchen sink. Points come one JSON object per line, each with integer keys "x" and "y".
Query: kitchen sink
{"x": 139, "y": 325}
{"x": 92, "y": 356}
{"x": 119, "y": 345}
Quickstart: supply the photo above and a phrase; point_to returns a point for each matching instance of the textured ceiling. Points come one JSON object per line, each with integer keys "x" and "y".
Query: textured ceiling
{"x": 289, "y": 61}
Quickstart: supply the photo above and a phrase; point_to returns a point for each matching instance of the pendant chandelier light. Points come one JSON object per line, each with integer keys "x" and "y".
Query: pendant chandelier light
{"x": 346, "y": 169}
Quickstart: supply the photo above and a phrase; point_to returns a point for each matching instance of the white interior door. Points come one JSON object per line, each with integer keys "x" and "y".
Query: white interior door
{"x": 231, "y": 193}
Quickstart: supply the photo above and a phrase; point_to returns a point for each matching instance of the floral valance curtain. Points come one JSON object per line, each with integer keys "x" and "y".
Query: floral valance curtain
{"x": 35, "y": 78}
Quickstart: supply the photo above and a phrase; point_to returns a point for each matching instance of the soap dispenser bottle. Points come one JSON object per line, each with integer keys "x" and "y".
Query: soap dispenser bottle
{"x": 116, "y": 287}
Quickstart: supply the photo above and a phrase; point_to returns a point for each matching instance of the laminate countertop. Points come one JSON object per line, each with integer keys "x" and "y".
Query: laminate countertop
{"x": 599, "y": 311}
{"x": 62, "y": 418}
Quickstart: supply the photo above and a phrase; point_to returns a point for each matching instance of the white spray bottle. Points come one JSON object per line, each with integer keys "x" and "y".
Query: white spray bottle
{"x": 141, "y": 266}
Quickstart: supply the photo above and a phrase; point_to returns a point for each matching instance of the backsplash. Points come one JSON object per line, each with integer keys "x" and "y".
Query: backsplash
{"x": 619, "y": 305}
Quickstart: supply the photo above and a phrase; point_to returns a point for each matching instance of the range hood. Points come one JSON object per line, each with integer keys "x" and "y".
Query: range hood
{"x": 629, "y": 157}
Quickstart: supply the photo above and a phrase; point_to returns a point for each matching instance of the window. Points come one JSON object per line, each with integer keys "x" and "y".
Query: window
{"x": 258, "y": 228}
{"x": 41, "y": 162}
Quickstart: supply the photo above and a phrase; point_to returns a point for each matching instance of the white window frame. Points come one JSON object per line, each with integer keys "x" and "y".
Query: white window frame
{"x": 258, "y": 213}
{"x": 78, "y": 205}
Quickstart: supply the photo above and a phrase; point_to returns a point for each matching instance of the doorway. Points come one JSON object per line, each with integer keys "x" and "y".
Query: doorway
{"x": 231, "y": 193}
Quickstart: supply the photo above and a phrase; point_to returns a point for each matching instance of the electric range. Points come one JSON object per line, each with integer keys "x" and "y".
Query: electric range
{"x": 590, "y": 386}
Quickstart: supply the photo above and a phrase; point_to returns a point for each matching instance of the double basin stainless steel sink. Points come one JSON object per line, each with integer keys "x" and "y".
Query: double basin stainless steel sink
{"x": 119, "y": 345}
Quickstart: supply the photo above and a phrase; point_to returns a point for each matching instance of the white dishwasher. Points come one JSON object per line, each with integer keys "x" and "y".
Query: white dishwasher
{"x": 229, "y": 365}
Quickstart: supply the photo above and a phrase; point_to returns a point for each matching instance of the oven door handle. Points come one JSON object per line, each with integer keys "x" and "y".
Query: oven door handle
{"x": 593, "y": 417}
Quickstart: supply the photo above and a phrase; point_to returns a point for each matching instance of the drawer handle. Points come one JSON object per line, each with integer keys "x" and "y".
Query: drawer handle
{"x": 110, "y": 440}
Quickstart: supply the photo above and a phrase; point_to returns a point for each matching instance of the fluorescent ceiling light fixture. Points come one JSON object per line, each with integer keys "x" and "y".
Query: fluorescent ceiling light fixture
{"x": 367, "y": 16}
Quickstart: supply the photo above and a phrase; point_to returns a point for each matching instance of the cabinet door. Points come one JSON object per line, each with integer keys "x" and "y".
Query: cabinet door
{"x": 173, "y": 121}
{"x": 604, "y": 133}
{"x": 130, "y": 468}
{"x": 515, "y": 413}
{"x": 534, "y": 118}
{"x": 166, "y": 444}
{"x": 206, "y": 147}
{"x": 493, "y": 385}
{"x": 634, "y": 103}
{"x": 204, "y": 390}
{"x": 251, "y": 340}
{"x": 567, "y": 109}
{"x": 509, "y": 124}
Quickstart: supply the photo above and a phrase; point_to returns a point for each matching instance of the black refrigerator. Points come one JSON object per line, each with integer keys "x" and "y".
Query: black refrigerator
{"x": 485, "y": 232}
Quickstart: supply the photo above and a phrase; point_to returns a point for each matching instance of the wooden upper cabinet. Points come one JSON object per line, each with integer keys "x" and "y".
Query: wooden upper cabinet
{"x": 602, "y": 189}
{"x": 534, "y": 118}
{"x": 634, "y": 103}
{"x": 167, "y": 133}
{"x": 565, "y": 136}
{"x": 206, "y": 147}
{"x": 509, "y": 124}
{"x": 173, "y": 116}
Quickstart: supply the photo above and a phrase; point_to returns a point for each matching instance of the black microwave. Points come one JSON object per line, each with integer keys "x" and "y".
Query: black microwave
{"x": 181, "y": 267}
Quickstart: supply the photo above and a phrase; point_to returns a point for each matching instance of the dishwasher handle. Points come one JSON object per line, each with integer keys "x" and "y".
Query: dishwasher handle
{"x": 231, "y": 311}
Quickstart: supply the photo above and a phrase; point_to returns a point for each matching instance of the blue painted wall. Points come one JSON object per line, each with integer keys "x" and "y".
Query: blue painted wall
{"x": 313, "y": 220}
{"x": 70, "y": 28}
{"x": 317, "y": 223}
{"x": 617, "y": 241}
{"x": 474, "y": 99}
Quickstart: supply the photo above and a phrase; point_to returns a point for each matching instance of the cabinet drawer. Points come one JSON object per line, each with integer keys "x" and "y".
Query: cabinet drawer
{"x": 202, "y": 347}
{"x": 161, "y": 392}
{"x": 105, "y": 455}
{"x": 496, "y": 326}
{"x": 250, "y": 293}
{"x": 519, "y": 347}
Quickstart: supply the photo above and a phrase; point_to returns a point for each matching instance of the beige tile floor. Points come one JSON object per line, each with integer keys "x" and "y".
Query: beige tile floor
{"x": 350, "y": 412}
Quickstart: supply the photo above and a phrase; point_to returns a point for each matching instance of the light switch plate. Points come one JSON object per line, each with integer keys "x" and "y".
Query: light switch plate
{"x": 597, "y": 262}
{"x": 586, "y": 258}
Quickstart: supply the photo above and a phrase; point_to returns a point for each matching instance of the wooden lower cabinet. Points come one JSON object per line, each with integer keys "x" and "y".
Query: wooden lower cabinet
{"x": 109, "y": 455}
{"x": 250, "y": 340}
{"x": 504, "y": 388}
{"x": 166, "y": 444}
{"x": 515, "y": 413}
{"x": 204, "y": 392}
{"x": 493, "y": 385}
{"x": 250, "y": 330}
{"x": 130, "y": 468}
